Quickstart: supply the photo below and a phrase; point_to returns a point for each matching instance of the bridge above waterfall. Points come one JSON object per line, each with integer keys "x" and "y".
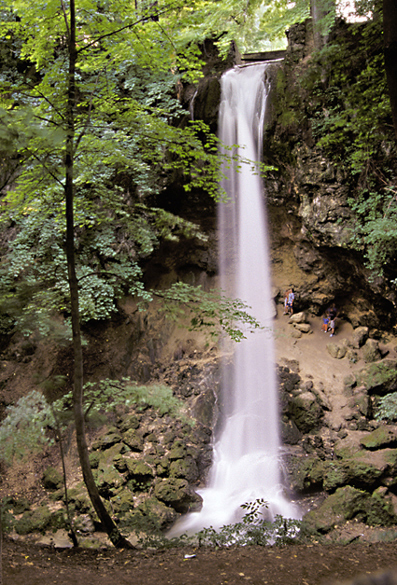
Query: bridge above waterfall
{"x": 266, "y": 56}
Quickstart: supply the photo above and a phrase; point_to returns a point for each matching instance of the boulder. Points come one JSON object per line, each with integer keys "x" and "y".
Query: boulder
{"x": 379, "y": 378}
{"x": 185, "y": 468}
{"x": 52, "y": 479}
{"x": 305, "y": 411}
{"x": 296, "y": 334}
{"x": 348, "y": 503}
{"x": 133, "y": 440}
{"x": 360, "y": 336}
{"x": 290, "y": 434}
{"x": 139, "y": 470}
{"x": 337, "y": 350}
{"x": 108, "y": 440}
{"x": 298, "y": 318}
{"x": 344, "y": 504}
{"x": 178, "y": 494}
{"x": 371, "y": 351}
{"x": 303, "y": 327}
{"x": 383, "y": 436}
{"x": 40, "y": 520}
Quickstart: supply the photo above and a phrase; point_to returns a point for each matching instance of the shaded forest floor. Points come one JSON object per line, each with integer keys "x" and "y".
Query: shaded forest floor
{"x": 25, "y": 564}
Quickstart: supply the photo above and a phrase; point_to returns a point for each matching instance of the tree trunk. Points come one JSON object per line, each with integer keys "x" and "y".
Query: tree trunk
{"x": 114, "y": 534}
{"x": 390, "y": 50}
{"x": 319, "y": 9}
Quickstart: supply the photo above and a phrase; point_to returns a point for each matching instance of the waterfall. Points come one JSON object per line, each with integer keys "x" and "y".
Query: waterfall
{"x": 246, "y": 454}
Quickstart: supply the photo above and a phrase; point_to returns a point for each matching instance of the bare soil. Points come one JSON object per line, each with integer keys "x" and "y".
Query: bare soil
{"x": 25, "y": 564}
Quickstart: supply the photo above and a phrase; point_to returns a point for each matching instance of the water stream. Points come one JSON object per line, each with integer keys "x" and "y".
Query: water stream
{"x": 246, "y": 454}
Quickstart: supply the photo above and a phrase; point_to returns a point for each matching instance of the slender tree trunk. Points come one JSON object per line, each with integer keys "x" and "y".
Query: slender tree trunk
{"x": 319, "y": 9}
{"x": 114, "y": 534}
{"x": 1, "y": 543}
{"x": 390, "y": 49}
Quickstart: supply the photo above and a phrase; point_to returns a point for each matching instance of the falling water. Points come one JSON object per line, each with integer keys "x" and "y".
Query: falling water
{"x": 246, "y": 455}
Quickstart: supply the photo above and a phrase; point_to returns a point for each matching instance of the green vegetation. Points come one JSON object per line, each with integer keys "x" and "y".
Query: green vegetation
{"x": 340, "y": 97}
{"x": 386, "y": 408}
{"x": 28, "y": 424}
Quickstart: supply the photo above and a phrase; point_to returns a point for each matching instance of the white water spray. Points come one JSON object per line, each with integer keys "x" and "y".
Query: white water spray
{"x": 246, "y": 456}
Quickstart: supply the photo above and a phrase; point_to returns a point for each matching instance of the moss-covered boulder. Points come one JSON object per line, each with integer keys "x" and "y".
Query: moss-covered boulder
{"x": 52, "y": 479}
{"x": 108, "y": 478}
{"x": 134, "y": 440}
{"x": 307, "y": 474}
{"x": 305, "y": 411}
{"x": 379, "y": 377}
{"x": 347, "y": 503}
{"x": 360, "y": 470}
{"x": 40, "y": 520}
{"x": 123, "y": 501}
{"x": 105, "y": 441}
{"x": 383, "y": 436}
{"x": 344, "y": 504}
{"x": 177, "y": 451}
{"x": 139, "y": 469}
{"x": 163, "y": 516}
{"x": 185, "y": 468}
{"x": 178, "y": 494}
{"x": 131, "y": 421}
{"x": 94, "y": 459}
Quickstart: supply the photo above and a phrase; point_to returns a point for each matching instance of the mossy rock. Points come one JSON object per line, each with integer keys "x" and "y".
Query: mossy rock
{"x": 383, "y": 436}
{"x": 161, "y": 515}
{"x": 162, "y": 467}
{"x": 94, "y": 459}
{"x": 17, "y": 505}
{"x": 379, "y": 377}
{"x": 305, "y": 411}
{"x": 134, "y": 440}
{"x": 176, "y": 493}
{"x": 120, "y": 463}
{"x": 177, "y": 451}
{"x": 185, "y": 468}
{"x": 307, "y": 474}
{"x": 139, "y": 469}
{"x": 52, "y": 479}
{"x": 123, "y": 501}
{"x": 107, "y": 440}
{"x": 381, "y": 510}
{"x": 79, "y": 499}
{"x": 40, "y": 520}
{"x": 131, "y": 422}
{"x": 107, "y": 478}
{"x": 346, "y": 503}
{"x": 336, "y": 475}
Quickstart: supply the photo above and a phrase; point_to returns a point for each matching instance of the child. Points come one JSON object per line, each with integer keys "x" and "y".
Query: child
{"x": 324, "y": 326}
{"x": 286, "y": 302}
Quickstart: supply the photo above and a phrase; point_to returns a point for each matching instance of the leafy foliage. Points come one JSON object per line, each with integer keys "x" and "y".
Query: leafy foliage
{"x": 253, "y": 529}
{"x": 26, "y": 426}
{"x": 211, "y": 311}
{"x": 341, "y": 98}
{"x": 387, "y": 407}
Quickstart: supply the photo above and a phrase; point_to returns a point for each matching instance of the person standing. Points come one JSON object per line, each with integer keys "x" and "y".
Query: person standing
{"x": 290, "y": 303}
